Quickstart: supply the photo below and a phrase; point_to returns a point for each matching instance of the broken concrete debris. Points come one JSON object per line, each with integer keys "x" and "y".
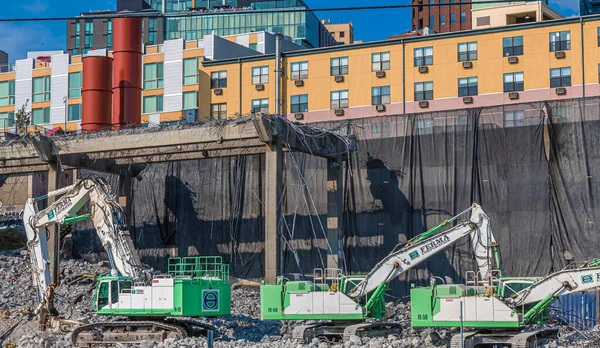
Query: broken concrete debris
{"x": 242, "y": 329}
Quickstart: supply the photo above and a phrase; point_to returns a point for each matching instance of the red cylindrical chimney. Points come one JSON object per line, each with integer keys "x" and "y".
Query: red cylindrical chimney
{"x": 96, "y": 93}
{"x": 127, "y": 72}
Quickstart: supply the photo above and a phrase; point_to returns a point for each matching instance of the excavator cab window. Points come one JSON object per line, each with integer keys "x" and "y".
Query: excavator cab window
{"x": 103, "y": 295}
{"x": 114, "y": 292}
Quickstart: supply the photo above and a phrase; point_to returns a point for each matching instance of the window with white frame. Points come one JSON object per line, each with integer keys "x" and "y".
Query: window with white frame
{"x": 339, "y": 99}
{"x": 339, "y": 66}
{"x": 260, "y": 75}
{"x": 380, "y": 61}
{"x": 299, "y": 71}
{"x": 260, "y": 105}
{"x": 380, "y": 95}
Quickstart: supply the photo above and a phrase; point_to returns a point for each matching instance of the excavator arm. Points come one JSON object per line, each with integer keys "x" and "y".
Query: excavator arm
{"x": 429, "y": 243}
{"x": 106, "y": 215}
{"x": 546, "y": 291}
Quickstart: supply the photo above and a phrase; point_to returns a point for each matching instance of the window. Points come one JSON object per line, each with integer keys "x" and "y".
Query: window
{"x": 218, "y": 111}
{"x": 7, "y": 119}
{"x": 77, "y": 34}
{"x": 463, "y": 17}
{"x": 253, "y": 46}
{"x": 560, "y": 41}
{"x": 424, "y": 91}
{"x": 40, "y": 116}
{"x": 514, "y": 118}
{"x": 598, "y": 36}
{"x": 467, "y": 86}
{"x": 299, "y": 103}
{"x": 260, "y": 75}
{"x": 109, "y": 33}
{"x": 442, "y": 19}
{"x": 339, "y": 66}
{"x": 152, "y": 31}
{"x": 41, "y": 89}
{"x": 452, "y": 18}
{"x": 299, "y": 71}
{"x": 380, "y": 61}
{"x": 380, "y": 95}
{"x": 260, "y": 105}
{"x": 342, "y": 33}
{"x": 339, "y": 99}
{"x": 75, "y": 85}
{"x": 153, "y": 75}
{"x": 88, "y": 40}
{"x": 560, "y": 77}
{"x": 218, "y": 79}
{"x": 467, "y": 51}
{"x": 431, "y": 21}
{"x": 190, "y": 100}
{"x": 7, "y": 93}
{"x": 153, "y": 104}
{"x": 423, "y": 56}
{"x": 512, "y": 46}
{"x": 513, "y": 82}
{"x": 190, "y": 71}
{"x": 75, "y": 112}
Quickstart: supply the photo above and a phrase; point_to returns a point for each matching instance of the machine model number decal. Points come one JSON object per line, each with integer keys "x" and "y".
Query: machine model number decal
{"x": 414, "y": 255}
{"x": 598, "y": 277}
{"x": 586, "y": 279}
{"x": 422, "y": 317}
{"x": 62, "y": 205}
{"x": 434, "y": 244}
{"x": 210, "y": 300}
{"x": 273, "y": 310}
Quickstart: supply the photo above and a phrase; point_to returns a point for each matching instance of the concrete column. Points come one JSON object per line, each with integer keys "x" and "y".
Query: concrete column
{"x": 273, "y": 189}
{"x": 335, "y": 209}
{"x": 54, "y": 175}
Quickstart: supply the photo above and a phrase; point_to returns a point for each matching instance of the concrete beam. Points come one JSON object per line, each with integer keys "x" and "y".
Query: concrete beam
{"x": 151, "y": 146}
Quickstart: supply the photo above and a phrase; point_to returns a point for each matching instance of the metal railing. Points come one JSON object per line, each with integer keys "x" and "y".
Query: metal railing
{"x": 199, "y": 267}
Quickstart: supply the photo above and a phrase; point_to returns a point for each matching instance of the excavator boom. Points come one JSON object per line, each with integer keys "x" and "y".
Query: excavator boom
{"x": 430, "y": 243}
{"x": 105, "y": 214}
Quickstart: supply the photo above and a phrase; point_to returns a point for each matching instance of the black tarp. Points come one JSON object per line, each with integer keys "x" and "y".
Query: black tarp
{"x": 531, "y": 166}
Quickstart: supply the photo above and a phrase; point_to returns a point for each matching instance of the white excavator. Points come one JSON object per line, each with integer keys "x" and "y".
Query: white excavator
{"x": 106, "y": 215}
{"x": 193, "y": 287}
{"x": 345, "y": 302}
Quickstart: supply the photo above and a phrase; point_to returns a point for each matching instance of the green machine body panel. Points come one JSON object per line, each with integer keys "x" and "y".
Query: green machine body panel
{"x": 305, "y": 300}
{"x": 438, "y": 306}
{"x": 194, "y": 287}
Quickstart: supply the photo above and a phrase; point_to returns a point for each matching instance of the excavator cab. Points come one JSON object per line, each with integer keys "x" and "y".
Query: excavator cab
{"x": 107, "y": 292}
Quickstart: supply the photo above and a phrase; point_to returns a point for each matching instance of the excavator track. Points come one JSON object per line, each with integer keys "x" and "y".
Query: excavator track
{"x": 111, "y": 333}
{"x": 512, "y": 339}
{"x": 375, "y": 329}
{"x": 340, "y": 331}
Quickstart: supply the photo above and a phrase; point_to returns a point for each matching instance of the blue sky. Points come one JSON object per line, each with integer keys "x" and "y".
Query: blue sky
{"x": 19, "y": 38}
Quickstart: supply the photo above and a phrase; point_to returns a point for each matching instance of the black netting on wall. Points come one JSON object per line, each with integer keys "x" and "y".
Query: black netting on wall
{"x": 532, "y": 167}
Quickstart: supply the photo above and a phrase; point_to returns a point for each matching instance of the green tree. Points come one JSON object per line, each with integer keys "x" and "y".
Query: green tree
{"x": 23, "y": 118}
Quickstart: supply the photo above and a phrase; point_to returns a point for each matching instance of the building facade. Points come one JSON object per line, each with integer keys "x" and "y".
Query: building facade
{"x": 587, "y": 7}
{"x": 223, "y": 17}
{"x": 518, "y": 12}
{"x": 442, "y": 16}
{"x": 516, "y": 64}
{"x": 343, "y": 33}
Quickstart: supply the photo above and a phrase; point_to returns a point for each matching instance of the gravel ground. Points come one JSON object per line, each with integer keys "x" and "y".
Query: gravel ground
{"x": 242, "y": 329}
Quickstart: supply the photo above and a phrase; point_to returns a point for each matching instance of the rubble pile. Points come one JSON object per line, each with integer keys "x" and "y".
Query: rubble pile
{"x": 242, "y": 329}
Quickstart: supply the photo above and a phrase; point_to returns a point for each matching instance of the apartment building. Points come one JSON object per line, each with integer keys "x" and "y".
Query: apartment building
{"x": 225, "y": 78}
